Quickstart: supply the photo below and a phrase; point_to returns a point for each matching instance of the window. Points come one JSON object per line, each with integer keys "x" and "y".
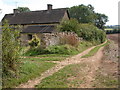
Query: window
{"x": 29, "y": 36}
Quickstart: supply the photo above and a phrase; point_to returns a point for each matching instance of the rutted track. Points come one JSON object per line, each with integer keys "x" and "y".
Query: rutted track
{"x": 73, "y": 60}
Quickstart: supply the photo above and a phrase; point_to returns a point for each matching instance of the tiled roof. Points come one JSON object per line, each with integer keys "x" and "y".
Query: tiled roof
{"x": 35, "y": 17}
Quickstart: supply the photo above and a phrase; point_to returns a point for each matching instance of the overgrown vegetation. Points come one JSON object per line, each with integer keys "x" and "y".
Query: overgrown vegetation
{"x": 59, "y": 49}
{"x": 10, "y": 49}
{"x": 87, "y": 31}
{"x": 91, "y": 33}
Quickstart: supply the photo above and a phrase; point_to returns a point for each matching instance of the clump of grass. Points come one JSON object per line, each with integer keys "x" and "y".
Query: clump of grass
{"x": 60, "y": 49}
{"x": 84, "y": 45}
{"x": 94, "y": 50}
{"x": 60, "y": 79}
{"x": 28, "y": 70}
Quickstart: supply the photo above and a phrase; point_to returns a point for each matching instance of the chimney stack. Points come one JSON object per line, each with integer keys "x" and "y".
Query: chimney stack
{"x": 16, "y": 11}
{"x": 49, "y": 6}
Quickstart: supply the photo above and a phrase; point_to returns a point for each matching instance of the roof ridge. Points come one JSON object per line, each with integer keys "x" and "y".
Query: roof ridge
{"x": 48, "y": 10}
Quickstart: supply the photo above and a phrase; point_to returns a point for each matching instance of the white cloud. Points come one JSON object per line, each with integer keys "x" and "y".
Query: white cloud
{"x": 5, "y": 9}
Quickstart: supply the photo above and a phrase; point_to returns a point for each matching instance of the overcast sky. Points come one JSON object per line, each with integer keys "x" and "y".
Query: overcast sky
{"x": 107, "y": 7}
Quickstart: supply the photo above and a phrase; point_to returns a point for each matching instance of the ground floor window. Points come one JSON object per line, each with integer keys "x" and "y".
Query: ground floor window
{"x": 29, "y": 36}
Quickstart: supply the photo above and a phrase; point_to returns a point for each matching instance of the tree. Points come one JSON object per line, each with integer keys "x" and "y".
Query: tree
{"x": 23, "y": 9}
{"x": 10, "y": 49}
{"x": 84, "y": 14}
{"x": 101, "y": 20}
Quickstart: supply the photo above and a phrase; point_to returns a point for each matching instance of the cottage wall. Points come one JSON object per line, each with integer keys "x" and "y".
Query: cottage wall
{"x": 24, "y": 39}
{"x": 49, "y": 39}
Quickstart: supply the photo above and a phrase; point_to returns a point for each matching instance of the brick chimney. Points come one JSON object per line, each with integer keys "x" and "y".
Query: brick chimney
{"x": 49, "y": 6}
{"x": 16, "y": 11}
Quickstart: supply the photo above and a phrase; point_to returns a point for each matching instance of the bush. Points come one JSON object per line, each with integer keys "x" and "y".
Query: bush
{"x": 71, "y": 25}
{"x": 91, "y": 33}
{"x": 35, "y": 41}
{"x": 62, "y": 49}
{"x": 10, "y": 49}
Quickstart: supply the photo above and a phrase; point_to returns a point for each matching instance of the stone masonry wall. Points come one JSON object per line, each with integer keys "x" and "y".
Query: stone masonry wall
{"x": 49, "y": 39}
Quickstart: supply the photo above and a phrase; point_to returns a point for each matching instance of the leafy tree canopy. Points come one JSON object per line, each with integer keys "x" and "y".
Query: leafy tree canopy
{"x": 101, "y": 20}
{"x": 86, "y": 14}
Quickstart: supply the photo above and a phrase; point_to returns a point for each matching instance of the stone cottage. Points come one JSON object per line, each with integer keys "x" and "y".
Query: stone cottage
{"x": 41, "y": 22}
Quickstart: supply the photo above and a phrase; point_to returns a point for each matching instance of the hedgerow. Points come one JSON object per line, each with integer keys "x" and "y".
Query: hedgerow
{"x": 87, "y": 31}
{"x": 91, "y": 33}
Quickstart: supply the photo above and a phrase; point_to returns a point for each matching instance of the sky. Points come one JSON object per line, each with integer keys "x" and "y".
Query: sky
{"x": 107, "y": 7}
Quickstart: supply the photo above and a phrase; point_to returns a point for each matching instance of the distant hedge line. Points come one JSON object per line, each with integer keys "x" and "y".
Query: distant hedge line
{"x": 112, "y": 31}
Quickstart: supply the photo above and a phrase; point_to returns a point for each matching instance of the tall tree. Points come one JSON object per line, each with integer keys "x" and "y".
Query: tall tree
{"x": 101, "y": 20}
{"x": 84, "y": 14}
{"x": 23, "y": 9}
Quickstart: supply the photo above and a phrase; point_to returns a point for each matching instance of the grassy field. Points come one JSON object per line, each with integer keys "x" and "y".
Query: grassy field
{"x": 94, "y": 50}
{"x": 64, "y": 78}
{"x": 28, "y": 70}
{"x": 108, "y": 28}
{"x": 32, "y": 66}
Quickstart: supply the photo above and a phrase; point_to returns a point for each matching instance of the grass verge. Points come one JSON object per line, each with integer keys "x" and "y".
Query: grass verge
{"x": 64, "y": 78}
{"x": 45, "y": 58}
{"x": 94, "y": 50}
{"x": 59, "y": 50}
{"x": 52, "y": 55}
{"x": 28, "y": 70}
